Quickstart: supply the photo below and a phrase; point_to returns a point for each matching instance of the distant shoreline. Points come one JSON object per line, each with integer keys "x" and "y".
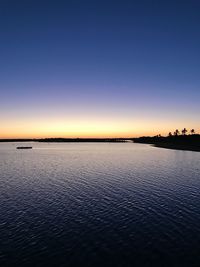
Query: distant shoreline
{"x": 178, "y": 147}
{"x": 67, "y": 140}
{"x": 181, "y": 142}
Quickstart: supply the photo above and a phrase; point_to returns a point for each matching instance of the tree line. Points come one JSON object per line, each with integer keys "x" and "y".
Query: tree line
{"x": 183, "y": 132}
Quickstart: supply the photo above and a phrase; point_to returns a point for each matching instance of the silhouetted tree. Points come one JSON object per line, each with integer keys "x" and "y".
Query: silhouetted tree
{"x": 192, "y": 131}
{"x": 170, "y": 134}
{"x": 176, "y": 132}
{"x": 184, "y": 131}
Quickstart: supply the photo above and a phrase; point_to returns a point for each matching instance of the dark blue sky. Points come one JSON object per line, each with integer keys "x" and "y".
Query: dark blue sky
{"x": 132, "y": 64}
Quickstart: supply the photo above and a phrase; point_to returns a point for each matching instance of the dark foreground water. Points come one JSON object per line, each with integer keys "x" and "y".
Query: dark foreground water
{"x": 99, "y": 205}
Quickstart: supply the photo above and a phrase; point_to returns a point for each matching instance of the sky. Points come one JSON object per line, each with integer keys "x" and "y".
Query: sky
{"x": 98, "y": 68}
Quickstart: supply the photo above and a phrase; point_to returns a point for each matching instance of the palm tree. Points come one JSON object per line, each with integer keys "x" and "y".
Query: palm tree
{"x": 192, "y": 131}
{"x": 176, "y": 132}
{"x": 184, "y": 131}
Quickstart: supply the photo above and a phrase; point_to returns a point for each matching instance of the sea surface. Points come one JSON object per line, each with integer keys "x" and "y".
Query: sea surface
{"x": 99, "y": 204}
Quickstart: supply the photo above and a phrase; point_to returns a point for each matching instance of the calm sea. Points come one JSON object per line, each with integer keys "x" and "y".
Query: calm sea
{"x": 99, "y": 204}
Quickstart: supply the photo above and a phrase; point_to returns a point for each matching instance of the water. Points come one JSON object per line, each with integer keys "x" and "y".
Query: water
{"x": 99, "y": 204}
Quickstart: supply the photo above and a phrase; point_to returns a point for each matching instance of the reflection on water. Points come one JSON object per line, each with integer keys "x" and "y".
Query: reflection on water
{"x": 99, "y": 205}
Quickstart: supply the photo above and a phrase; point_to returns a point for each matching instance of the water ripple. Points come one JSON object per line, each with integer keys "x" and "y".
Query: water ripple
{"x": 101, "y": 204}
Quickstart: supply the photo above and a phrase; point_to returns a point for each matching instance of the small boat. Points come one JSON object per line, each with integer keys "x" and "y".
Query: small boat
{"x": 24, "y": 147}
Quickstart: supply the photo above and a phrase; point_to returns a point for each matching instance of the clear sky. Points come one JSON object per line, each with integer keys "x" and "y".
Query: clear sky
{"x": 98, "y": 68}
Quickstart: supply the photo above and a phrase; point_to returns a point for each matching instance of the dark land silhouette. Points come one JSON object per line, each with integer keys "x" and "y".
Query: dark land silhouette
{"x": 189, "y": 142}
{"x": 181, "y": 142}
{"x": 65, "y": 140}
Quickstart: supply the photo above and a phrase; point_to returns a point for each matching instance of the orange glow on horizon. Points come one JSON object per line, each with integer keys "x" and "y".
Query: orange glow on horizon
{"x": 86, "y": 129}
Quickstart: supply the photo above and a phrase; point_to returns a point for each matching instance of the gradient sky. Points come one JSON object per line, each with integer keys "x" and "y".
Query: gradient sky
{"x": 98, "y": 68}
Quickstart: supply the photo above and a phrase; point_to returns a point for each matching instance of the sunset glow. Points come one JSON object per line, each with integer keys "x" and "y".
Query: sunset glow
{"x": 105, "y": 73}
